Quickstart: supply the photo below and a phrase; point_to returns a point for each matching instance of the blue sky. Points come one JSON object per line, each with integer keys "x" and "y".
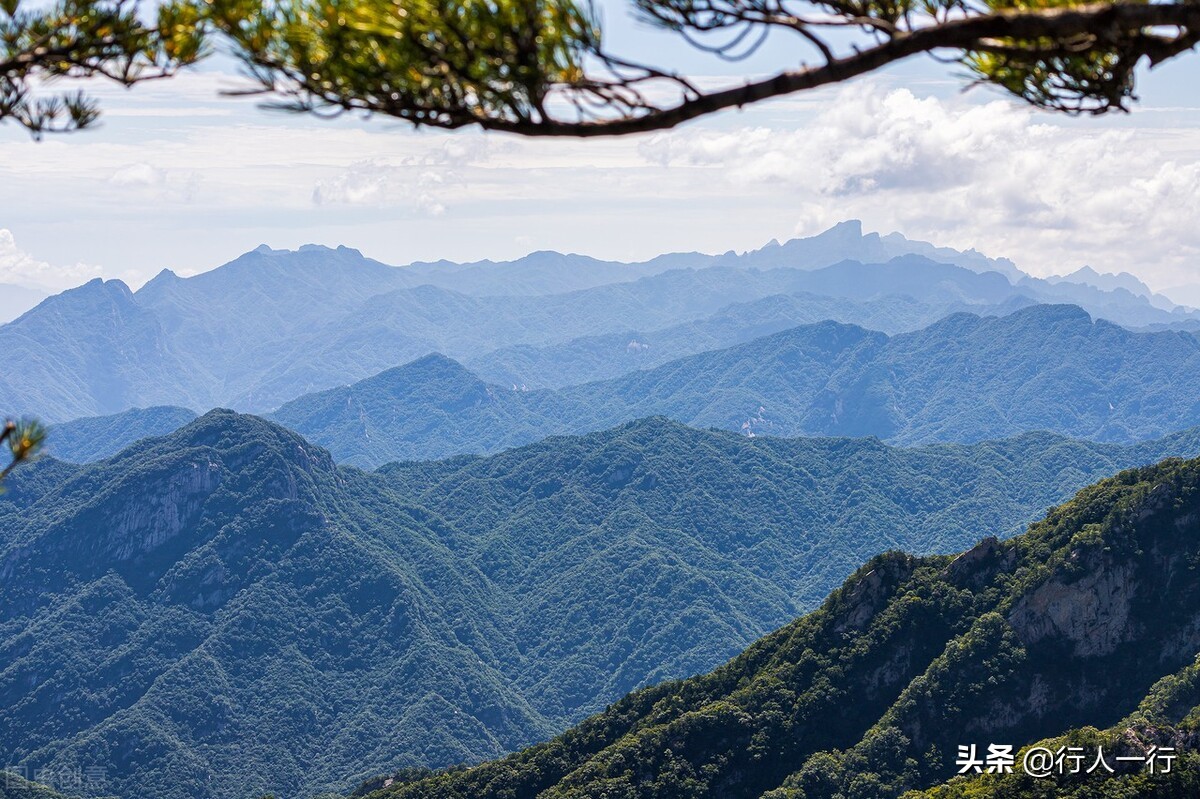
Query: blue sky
{"x": 179, "y": 177}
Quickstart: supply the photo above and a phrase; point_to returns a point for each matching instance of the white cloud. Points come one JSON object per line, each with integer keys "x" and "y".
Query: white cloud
{"x": 994, "y": 176}
{"x": 152, "y": 184}
{"x": 21, "y": 268}
{"x": 362, "y": 183}
{"x": 137, "y": 175}
{"x": 144, "y": 192}
{"x": 428, "y": 204}
{"x": 413, "y": 186}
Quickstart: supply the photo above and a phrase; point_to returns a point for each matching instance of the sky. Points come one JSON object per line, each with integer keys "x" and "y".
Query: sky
{"x": 179, "y": 177}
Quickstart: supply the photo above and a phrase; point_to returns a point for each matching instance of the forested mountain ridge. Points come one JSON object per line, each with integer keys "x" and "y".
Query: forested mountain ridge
{"x": 227, "y": 612}
{"x": 95, "y": 438}
{"x": 1089, "y": 617}
{"x": 601, "y": 357}
{"x": 272, "y": 325}
{"x": 210, "y": 604}
{"x": 964, "y": 378}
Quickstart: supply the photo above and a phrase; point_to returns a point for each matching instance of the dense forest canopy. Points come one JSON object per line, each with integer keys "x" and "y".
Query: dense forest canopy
{"x": 228, "y": 613}
{"x": 871, "y": 695}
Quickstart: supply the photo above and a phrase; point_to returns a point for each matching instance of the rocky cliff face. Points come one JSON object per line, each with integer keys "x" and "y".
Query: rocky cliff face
{"x": 1091, "y": 613}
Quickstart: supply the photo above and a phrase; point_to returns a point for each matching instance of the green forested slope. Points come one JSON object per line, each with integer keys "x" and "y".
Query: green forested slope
{"x": 964, "y": 378}
{"x": 223, "y": 612}
{"x": 93, "y": 438}
{"x": 1088, "y": 619}
{"x": 14, "y": 786}
{"x": 194, "y": 615}
{"x": 430, "y": 408}
{"x": 602, "y": 357}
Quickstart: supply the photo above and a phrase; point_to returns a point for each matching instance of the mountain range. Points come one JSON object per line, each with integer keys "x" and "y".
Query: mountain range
{"x": 97, "y": 437}
{"x": 964, "y": 378}
{"x": 273, "y": 325}
{"x": 1108, "y": 281}
{"x": 584, "y": 485}
{"x": 961, "y": 379}
{"x": 1084, "y": 628}
{"x": 224, "y": 612}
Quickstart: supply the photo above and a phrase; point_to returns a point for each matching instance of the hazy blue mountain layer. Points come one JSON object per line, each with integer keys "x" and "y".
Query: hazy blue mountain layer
{"x": 272, "y": 325}
{"x": 98, "y": 437}
{"x": 1089, "y": 620}
{"x": 964, "y": 378}
{"x": 224, "y": 612}
{"x": 591, "y": 358}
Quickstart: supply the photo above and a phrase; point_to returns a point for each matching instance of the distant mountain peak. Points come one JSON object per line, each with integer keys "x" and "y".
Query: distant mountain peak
{"x": 95, "y": 288}
{"x": 1106, "y": 281}
{"x": 849, "y": 228}
{"x": 436, "y": 360}
{"x": 224, "y": 429}
{"x": 972, "y": 259}
{"x": 165, "y": 277}
{"x": 913, "y": 259}
{"x": 847, "y": 241}
{"x": 1051, "y": 312}
{"x": 844, "y": 234}
{"x": 341, "y": 249}
{"x": 432, "y": 372}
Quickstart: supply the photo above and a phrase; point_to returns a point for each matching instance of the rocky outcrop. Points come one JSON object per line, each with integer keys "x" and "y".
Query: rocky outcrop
{"x": 1093, "y": 612}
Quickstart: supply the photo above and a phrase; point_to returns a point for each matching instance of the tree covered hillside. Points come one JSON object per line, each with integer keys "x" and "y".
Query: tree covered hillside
{"x": 208, "y": 605}
{"x": 95, "y": 438}
{"x": 609, "y": 355}
{"x": 225, "y": 612}
{"x": 14, "y": 786}
{"x": 964, "y": 378}
{"x": 1088, "y": 619}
